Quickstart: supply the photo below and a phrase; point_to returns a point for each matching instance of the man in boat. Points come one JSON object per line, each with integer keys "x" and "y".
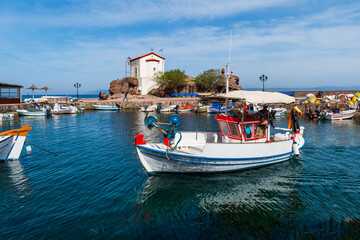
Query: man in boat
{"x": 264, "y": 122}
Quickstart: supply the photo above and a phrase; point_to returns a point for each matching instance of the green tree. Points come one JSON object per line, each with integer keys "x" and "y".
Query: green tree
{"x": 171, "y": 80}
{"x": 208, "y": 80}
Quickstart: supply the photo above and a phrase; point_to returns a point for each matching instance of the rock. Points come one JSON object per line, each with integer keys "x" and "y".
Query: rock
{"x": 121, "y": 86}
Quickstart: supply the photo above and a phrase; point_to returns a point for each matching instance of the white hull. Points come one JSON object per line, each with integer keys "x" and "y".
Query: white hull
{"x": 280, "y": 112}
{"x": 206, "y": 155}
{"x": 149, "y": 109}
{"x": 12, "y": 142}
{"x": 30, "y": 113}
{"x": 347, "y": 114}
{"x": 105, "y": 107}
{"x": 168, "y": 109}
{"x": 60, "y": 109}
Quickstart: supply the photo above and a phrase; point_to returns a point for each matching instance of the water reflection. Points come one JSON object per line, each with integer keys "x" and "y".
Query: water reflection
{"x": 237, "y": 199}
{"x": 13, "y": 178}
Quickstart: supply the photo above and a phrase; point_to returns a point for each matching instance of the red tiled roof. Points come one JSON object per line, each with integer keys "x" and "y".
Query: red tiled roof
{"x": 147, "y": 55}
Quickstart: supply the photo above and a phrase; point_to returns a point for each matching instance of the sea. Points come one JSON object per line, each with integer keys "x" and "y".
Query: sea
{"x": 83, "y": 179}
{"x": 25, "y": 96}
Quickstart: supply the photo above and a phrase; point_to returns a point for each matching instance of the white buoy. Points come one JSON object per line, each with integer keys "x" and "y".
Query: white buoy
{"x": 296, "y": 149}
{"x": 28, "y": 149}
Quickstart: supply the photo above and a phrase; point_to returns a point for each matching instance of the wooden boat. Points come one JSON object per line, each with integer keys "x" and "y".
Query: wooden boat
{"x": 171, "y": 108}
{"x": 218, "y": 109}
{"x": 35, "y": 110}
{"x": 186, "y": 108}
{"x": 201, "y": 109}
{"x": 341, "y": 115}
{"x": 239, "y": 144}
{"x": 12, "y": 142}
{"x": 147, "y": 108}
{"x": 63, "y": 109}
{"x": 279, "y": 112}
{"x": 107, "y": 107}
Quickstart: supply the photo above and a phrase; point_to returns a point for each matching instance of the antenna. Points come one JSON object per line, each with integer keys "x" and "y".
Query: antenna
{"x": 228, "y": 75}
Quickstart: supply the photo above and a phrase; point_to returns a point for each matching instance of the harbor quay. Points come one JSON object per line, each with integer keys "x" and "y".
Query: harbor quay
{"x": 137, "y": 102}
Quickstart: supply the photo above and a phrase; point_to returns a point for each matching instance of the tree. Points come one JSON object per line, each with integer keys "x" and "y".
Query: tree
{"x": 208, "y": 80}
{"x": 173, "y": 79}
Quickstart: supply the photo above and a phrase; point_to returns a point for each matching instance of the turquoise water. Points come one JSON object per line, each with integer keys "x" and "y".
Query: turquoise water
{"x": 96, "y": 187}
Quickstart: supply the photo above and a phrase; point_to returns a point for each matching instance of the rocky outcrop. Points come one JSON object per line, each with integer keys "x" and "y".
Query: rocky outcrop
{"x": 121, "y": 86}
{"x": 233, "y": 84}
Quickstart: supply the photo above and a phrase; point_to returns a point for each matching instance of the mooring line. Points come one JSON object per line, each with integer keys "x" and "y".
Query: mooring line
{"x": 41, "y": 148}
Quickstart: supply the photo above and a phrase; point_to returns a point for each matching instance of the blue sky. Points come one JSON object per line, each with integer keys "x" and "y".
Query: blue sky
{"x": 299, "y": 43}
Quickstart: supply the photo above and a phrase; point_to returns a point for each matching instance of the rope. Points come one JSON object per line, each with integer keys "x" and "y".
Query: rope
{"x": 41, "y": 148}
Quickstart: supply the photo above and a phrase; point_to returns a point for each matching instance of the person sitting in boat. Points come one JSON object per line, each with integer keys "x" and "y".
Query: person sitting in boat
{"x": 264, "y": 122}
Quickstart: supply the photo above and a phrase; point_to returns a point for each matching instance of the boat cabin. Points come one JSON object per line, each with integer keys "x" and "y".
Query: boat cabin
{"x": 234, "y": 129}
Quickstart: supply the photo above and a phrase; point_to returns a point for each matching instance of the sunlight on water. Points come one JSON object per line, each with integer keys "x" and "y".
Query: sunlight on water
{"x": 97, "y": 188}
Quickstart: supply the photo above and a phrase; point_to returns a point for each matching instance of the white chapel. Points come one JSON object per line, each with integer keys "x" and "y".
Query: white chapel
{"x": 144, "y": 67}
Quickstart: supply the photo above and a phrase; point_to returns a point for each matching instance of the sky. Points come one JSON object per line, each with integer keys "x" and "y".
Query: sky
{"x": 296, "y": 43}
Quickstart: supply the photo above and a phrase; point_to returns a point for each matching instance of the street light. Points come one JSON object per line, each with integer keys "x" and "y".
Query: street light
{"x": 126, "y": 63}
{"x": 77, "y": 86}
{"x": 263, "y": 78}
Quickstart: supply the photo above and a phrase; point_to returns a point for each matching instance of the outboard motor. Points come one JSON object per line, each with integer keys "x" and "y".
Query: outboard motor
{"x": 158, "y": 108}
{"x": 118, "y": 106}
{"x": 323, "y": 115}
{"x": 146, "y": 107}
{"x": 48, "y": 112}
{"x": 176, "y": 108}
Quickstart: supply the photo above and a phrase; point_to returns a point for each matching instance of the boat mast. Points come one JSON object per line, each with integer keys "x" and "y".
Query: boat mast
{"x": 228, "y": 76}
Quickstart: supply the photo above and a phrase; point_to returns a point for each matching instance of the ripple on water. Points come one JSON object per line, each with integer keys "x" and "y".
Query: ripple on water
{"x": 97, "y": 188}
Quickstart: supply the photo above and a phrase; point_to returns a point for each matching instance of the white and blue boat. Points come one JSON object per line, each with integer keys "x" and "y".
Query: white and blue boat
{"x": 107, "y": 107}
{"x": 217, "y": 108}
{"x": 240, "y": 143}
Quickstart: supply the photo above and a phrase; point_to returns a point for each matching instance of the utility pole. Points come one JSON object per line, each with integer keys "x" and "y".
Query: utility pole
{"x": 263, "y": 78}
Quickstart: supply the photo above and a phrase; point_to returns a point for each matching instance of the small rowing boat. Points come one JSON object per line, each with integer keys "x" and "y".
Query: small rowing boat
{"x": 12, "y": 142}
{"x": 107, "y": 107}
{"x": 341, "y": 115}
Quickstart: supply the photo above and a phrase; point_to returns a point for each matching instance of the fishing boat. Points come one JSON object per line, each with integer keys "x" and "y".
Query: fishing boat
{"x": 63, "y": 109}
{"x": 171, "y": 108}
{"x": 107, "y": 107}
{"x": 201, "y": 109}
{"x": 186, "y": 108}
{"x": 12, "y": 142}
{"x": 217, "y": 108}
{"x": 340, "y": 115}
{"x": 279, "y": 112}
{"x": 36, "y": 110}
{"x": 147, "y": 108}
{"x": 240, "y": 143}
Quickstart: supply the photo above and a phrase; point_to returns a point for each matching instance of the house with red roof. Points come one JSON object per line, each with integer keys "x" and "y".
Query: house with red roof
{"x": 144, "y": 68}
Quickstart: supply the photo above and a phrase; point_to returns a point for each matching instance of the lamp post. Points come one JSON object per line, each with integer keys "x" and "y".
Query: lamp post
{"x": 77, "y": 86}
{"x": 263, "y": 78}
{"x": 127, "y": 62}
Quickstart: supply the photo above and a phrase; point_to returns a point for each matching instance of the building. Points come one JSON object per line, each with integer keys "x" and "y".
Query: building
{"x": 144, "y": 67}
{"x": 10, "y": 93}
